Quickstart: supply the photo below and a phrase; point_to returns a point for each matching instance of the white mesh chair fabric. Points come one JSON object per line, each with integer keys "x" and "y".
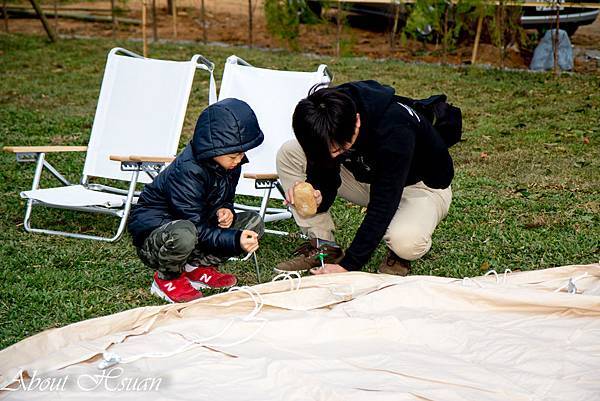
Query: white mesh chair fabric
{"x": 140, "y": 111}
{"x": 273, "y": 95}
{"x": 75, "y": 196}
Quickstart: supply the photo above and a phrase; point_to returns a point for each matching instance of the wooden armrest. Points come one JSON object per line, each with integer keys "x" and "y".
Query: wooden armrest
{"x": 44, "y": 149}
{"x": 253, "y": 176}
{"x": 138, "y": 158}
{"x": 152, "y": 159}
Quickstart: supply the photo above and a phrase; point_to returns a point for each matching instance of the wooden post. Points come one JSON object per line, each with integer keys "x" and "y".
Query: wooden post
{"x": 174, "y": 2}
{"x": 250, "y": 39}
{"x": 113, "y": 18}
{"x": 56, "y": 16}
{"x": 395, "y": 27}
{"x": 154, "y": 22}
{"x": 477, "y": 37}
{"x": 203, "y": 14}
{"x": 42, "y": 16}
{"x": 445, "y": 38}
{"x": 144, "y": 38}
{"x": 555, "y": 39}
{"x": 5, "y": 14}
{"x": 338, "y": 32}
{"x": 501, "y": 31}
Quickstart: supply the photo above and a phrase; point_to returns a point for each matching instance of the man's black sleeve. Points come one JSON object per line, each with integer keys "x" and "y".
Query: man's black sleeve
{"x": 392, "y": 166}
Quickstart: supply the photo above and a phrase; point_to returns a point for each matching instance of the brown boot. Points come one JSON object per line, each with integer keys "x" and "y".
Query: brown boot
{"x": 307, "y": 256}
{"x": 393, "y": 264}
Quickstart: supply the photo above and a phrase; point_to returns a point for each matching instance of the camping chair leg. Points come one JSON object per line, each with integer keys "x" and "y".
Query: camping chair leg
{"x": 122, "y": 224}
{"x": 264, "y": 202}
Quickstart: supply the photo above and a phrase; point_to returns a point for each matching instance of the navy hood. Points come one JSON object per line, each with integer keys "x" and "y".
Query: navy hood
{"x": 225, "y": 127}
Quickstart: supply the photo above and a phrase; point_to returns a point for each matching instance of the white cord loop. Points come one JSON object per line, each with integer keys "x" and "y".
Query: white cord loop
{"x": 291, "y": 276}
{"x": 110, "y": 358}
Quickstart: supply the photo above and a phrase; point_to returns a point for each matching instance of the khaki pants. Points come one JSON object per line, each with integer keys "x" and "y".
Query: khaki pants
{"x": 409, "y": 233}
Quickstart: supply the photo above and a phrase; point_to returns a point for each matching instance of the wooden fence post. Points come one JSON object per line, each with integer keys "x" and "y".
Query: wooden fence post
{"x": 5, "y": 14}
{"x": 203, "y": 15}
{"x": 113, "y": 18}
{"x": 395, "y": 26}
{"x": 338, "y": 32}
{"x": 250, "y": 39}
{"x": 42, "y": 16}
{"x": 174, "y": 2}
{"x": 154, "y": 22}
{"x": 477, "y": 38}
{"x": 144, "y": 38}
{"x": 555, "y": 39}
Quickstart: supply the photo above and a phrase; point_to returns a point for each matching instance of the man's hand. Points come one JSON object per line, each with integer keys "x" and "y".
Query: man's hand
{"x": 289, "y": 198}
{"x": 328, "y": 269}
{"x": 249, "y": 241}
{"x": 224, "y": 217}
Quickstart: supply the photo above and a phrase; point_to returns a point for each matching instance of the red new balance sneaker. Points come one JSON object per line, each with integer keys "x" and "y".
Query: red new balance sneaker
{"x": 209, "y": 277}
{"x": 177, "y": 290}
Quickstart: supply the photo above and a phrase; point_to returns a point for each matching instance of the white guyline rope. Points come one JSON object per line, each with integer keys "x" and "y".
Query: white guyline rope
{"x": 110, "y": 358}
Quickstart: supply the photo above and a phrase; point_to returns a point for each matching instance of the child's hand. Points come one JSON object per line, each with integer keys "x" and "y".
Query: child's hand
{"x": 224, "y": 217}
{"x": 249, "y": 241}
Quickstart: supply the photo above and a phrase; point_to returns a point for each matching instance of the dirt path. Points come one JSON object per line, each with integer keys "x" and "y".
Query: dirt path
{"x": 227, "y": 21}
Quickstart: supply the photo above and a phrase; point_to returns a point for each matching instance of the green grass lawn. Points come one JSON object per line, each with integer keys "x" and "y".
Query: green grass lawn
{"x": 526, "y": 192}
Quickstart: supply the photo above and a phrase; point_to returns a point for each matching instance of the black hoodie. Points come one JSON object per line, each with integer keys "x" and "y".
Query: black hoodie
{"x": 395, "y": 147}
{"x": 194, "y": 186}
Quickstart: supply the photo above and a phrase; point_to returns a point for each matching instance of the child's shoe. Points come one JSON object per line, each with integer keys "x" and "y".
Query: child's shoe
{"x": 177, "y": 290}
{"x": 209, "y": 277}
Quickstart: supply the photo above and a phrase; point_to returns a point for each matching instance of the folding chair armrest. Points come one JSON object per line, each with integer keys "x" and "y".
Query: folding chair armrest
{"x": 44, "y": 149}
{"x": 142, "y": 159}
{"x": 266, "y": 177}
{"x": 152, "y": 165}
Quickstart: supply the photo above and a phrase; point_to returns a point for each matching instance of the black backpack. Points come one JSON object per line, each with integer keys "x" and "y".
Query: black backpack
{"x": 445, "y": 118}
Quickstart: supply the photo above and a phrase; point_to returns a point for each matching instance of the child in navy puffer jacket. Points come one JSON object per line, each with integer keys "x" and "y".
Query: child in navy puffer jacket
{"x": 184, "y": 224}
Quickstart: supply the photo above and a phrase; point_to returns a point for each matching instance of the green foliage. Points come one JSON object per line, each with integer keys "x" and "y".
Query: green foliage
{"x": 451, "y": 22}
{"x": 283, "y": 19}
{"x": 505, "y": 28}
{"x": 425, "y": 14}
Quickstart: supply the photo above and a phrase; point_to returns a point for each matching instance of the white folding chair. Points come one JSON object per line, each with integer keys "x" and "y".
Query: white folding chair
{"x": 141, "y": 109}
{"x": 273, "y": 95}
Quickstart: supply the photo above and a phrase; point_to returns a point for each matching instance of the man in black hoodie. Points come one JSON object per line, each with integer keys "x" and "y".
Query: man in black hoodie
{"x": 184, "y": 224}
{"x": 361, "y": 142}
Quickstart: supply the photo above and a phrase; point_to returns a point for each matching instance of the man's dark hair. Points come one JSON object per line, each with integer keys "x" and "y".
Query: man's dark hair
{"x": 327, "y": 116}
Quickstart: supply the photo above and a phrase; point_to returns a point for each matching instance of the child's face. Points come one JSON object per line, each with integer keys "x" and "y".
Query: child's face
{"x": 229, "y": 161}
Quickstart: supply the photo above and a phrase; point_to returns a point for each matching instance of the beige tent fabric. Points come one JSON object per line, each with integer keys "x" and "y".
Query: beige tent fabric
{"x": 351, "y": 336}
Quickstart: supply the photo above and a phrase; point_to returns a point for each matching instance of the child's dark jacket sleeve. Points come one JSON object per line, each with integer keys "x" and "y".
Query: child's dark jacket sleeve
{"x": 186, "y": 196}
{"x": 231, "y": 196}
